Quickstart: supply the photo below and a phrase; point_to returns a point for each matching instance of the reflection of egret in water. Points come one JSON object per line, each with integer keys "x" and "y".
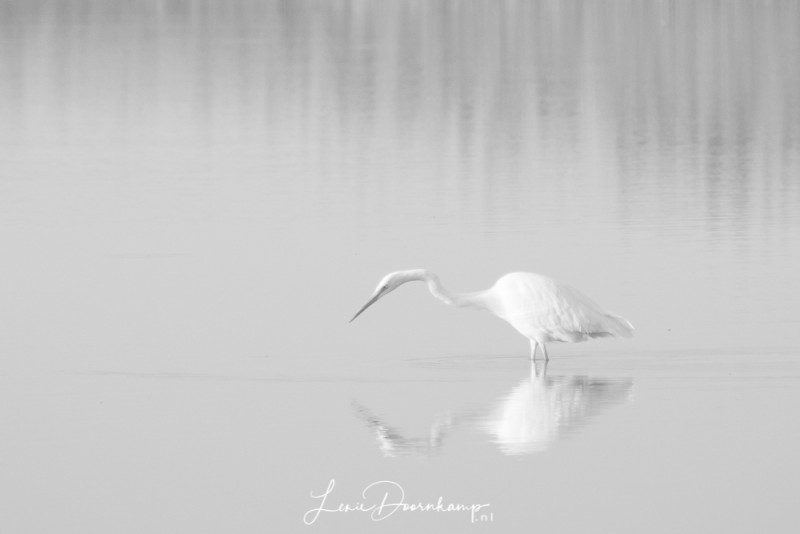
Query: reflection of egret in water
{"x": 393, "y": 443}
{"x": 541, "y": 409}
{"x": 530, "y": 418}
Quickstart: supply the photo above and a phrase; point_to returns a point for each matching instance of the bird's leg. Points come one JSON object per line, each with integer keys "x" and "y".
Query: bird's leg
{"x": 546, "y": 357}
{"x": 534, "y": 346}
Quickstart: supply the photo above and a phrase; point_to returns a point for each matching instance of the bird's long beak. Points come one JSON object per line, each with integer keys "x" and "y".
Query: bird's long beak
{"x": 369, "y": 303}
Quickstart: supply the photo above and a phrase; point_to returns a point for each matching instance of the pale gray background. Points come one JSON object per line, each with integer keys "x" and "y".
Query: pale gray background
{"x": 195, "y": 197}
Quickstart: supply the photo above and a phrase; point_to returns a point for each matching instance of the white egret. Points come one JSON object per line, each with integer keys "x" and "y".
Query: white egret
{"x": 540, "y": 308}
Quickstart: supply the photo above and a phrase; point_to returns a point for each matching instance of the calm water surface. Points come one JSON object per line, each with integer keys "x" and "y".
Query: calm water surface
{"x": 195, "y": 197}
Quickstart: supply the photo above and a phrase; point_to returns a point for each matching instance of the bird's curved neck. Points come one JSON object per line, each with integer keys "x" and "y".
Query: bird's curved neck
{"x": 462, "y": 300}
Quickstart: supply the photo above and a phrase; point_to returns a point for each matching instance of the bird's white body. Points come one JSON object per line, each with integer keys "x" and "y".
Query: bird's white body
{"x": 544, "y": 310}
{"x": 540, "y": 308}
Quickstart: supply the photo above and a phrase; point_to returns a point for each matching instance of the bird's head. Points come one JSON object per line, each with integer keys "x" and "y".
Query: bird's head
{"x": 389, "y": 283}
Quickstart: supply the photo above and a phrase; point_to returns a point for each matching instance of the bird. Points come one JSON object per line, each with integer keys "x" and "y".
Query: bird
{"x": 540, "y": 308}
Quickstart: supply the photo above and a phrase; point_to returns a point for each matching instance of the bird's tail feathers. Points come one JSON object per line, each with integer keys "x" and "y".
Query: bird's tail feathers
{"x": 617, "y": 326}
